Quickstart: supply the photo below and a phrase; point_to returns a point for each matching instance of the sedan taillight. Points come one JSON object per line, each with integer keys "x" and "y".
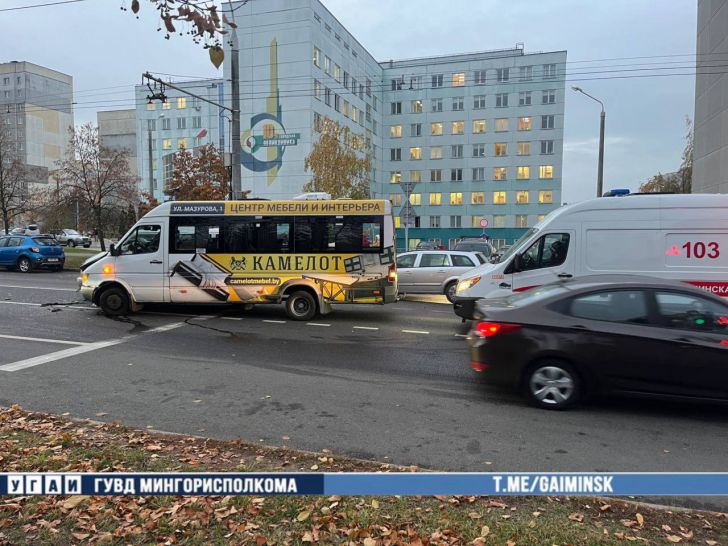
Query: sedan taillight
{"x": 489, "y": 329}
{"x": 35, "y": 249}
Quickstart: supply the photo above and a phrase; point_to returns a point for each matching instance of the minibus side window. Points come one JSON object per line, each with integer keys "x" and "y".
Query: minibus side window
{"x": 247, "y": 235}
{"x": 192, "y": 234}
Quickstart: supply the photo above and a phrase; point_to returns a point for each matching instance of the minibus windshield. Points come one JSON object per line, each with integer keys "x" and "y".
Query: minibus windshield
{"x": 514, "y": 248}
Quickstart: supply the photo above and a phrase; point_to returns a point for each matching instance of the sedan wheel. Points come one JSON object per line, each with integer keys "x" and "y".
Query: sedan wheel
{"x": 72, "y": 244}
{"x": 552, "y": 385}
{"x": 24, "y": 265}
{"x": 450, "y": 291}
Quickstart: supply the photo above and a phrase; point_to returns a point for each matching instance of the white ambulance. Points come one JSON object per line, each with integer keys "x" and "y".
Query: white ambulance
{"x": 679, "y": 237}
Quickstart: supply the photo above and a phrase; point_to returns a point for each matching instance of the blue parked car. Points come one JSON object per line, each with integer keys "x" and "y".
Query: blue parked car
{"x": 27, "y": 253}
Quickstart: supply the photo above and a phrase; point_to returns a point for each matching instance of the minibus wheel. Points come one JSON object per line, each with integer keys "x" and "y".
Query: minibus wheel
{"x": 114, "y": 301}
{"x": 301, "y": 305}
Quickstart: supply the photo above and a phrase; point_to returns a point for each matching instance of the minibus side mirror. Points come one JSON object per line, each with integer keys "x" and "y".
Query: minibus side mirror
{"x": 517, "y": 263}
{"x": 113, "y": 251}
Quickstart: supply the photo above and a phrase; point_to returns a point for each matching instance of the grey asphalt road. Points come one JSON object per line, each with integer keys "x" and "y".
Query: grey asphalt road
{"x": 389, "y": 383}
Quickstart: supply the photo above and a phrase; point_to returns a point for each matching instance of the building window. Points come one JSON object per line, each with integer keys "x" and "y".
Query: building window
{"x": 434, "y": 221}
{"x": 524, "y": 148}
{"x": 500, "y": 149}
{"x": 397, "y": 84}
{"x": 166, "y": 105}
{"x": 499, "y": 221}
{"x": 416, "y": 106}
{"x": 166, "y": 124}
{"x": 435, "y": 199}
{"x": 524, "y": 123}
{"x": 317, "y": 57}
{"x": 478, "y": 126}
{"x": 437, "y": 80}
{"x": 456, "y": 221}
{"x": 436, "y": 152}
{"x": 525, "y": 73}
{"x": 317, "y": 89}
{"x": 524, "y": 173}
{"x": 395, "y": 199}
{"x": 435, "y": 175}
{"x": 547, "y": 147}
{"x": 548, "y": 96}
{"x": 317, "y": 121}
{"x": 524, "y": 98}
{"x": 545, "y": 196}
{"x": 479, "y": 77}
{"x": 521, "y": 220}
{"x": 540, "y": 217}
{"x": 337, "y": 104}
{"x": 395, "y": 131}
{"x": 456, "y": 151}
{"x": 479, "y": 102}
{"x": 181, "y": 143}
{"x": 181, "y": 103}
{"x": 368, "y": 86}
{"x": 501, "y": 100}
{"x": 436, "y": 128}
{"x": 458, "y": 103}
{"x": 479, "y": 173}
{"x": 546, "y": 171}
{"x": 181, "y": 123}
{"x": 346, "y": 79}
{"x": 458, "y": 127}
{"x": 549, "y": 71}
{"x": 395, "y": 154}
{"x": 415, "y": 82}
{"x": 547, "y": 122}
{"x": 437, "y": 105}
{"x": 477, "y": 198}
{"x": 415, "y": 199}
{"x": 327, "y": 65}
{"x": 397, "y": 222}
{"x": 196, "y": 122}
{"x": 327, "y": 96}
{"x": 499, "y": 173}
{"x": 337, "y": 72}
{"x": 369, "y": 112}
{"x": 355, "y": 114}
{"x": 396, "y": 108}
{"x": 499, "y": 198}
{"x": 416, "y": 129}
{"x": 501, "y": 124}
{"x": 456, "y": 198}
{"x": 167, "y": 144}
{"x": 502, "y": 74}
{"x": 479, "y": 150}
{"x": 416, "y": 153}
{"x": 458, "y": 79}
{"x": 353, "y": 85}
{"x": 151, "y": 125}
{"x": 151, "y": 106}
{"x": 415, "y": 176}
{"x": 456, "y": 175}
{"x": 395, "y": 177}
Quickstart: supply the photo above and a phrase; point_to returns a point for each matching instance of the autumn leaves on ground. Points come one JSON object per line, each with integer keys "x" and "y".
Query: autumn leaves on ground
{"x": 39, "y": 442}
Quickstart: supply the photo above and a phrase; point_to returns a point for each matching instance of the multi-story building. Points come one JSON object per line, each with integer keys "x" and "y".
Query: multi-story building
{"x": 480, "y": 135}
{"x": 117, "y": 131}
{"x": 710, "y": 152}
{"x": 182, "y": 122}
{"x": 37, "y": 104}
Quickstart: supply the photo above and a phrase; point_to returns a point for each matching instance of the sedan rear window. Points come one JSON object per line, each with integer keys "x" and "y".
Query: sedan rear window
{"x": 612, "y": 306}
{"x": 45, "y": 241}
{"x": 458, "y": 260}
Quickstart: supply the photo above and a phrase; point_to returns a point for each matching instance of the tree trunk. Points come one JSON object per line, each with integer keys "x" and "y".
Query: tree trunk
{"x": 100, "y": 232}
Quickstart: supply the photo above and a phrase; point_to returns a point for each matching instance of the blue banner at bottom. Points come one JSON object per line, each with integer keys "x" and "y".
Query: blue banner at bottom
{"x": 352, "y": 483}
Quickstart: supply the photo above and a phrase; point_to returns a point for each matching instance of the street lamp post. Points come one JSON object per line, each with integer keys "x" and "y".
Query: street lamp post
{"x": 600, "y": 171}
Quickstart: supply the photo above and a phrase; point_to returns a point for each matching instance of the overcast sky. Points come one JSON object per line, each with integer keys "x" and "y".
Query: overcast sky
{"x": 106, "y": 50}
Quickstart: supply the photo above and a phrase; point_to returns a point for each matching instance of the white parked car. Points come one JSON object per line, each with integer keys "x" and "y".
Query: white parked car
{"x": 434, "y": 271}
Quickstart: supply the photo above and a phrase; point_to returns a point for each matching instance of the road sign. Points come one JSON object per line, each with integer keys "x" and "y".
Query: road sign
{"x": 407, "y": 187}
{"x": 407, "y": 214}
{"x": 484, "y": 223}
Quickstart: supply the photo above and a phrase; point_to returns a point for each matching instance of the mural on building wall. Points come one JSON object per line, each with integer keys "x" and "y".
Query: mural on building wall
{"x": 264, "y": 144}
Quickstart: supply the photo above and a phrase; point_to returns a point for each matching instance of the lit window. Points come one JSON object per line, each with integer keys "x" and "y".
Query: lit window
{"x": 395, "y": 177}
{"x": 478, "y": 126}
{"x": 546, "y": 171}
{"x": 524, "y": 124}
{"x": 397, "y": 222}
{"x": 499, "y": 198}
{"x": 479, "y": 102}
{"x": 417, "y": 106}
{"x": 524, "y": 148}
{"x": 501, "y": 149}
{"x": 416, "y": 153}
{"x": 355, "y": 113}
{"x": 545, "y": 196}
{"x": 436, "y": 152}
{"x": 166, "y": 105}
{"x": 181, "y": 143}
{"x": 436, "y": 128}
{"x": 524, "y": 98}
{"x": 317, "y": 57}
{"x": 181, "y": 103}
{"x": 458, "y": 79}
{"x": 456, "y": 198}
{"x": 396, "y": 199}
{"x": 499, "y": 173}
{"x": 499, "y": 221}
{"x": 540, "y": 217}
{"x": 416, "y": 199}
{"x": 151, "y": 106}
{"x": 501, "y": 124}
{"x": 458, "y": 127}
{"x": 337, "y": 105}
{"x": 167, "y": 144}
{"x": 524, "y": 173}
{"x": 395, "y": 131}
{"x": 521, "y": 220}
{"x": 435, "y": 199}
{"x": 415, "y": 176}
{"x": 522, "y": 197}
{"x": 477, "y": 198}
{"x": 501, "y": 100}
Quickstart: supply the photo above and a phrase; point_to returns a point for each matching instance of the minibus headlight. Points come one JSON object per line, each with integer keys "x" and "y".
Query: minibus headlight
{"x": 467, "y": 284}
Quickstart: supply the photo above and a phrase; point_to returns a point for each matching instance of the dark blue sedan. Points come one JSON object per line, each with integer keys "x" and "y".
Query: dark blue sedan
{"x": 26, "y": 253}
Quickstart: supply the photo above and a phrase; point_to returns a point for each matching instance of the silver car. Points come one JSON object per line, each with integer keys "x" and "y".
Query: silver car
{"x": 434, "y": 271}
{"x": 72, "y": 238}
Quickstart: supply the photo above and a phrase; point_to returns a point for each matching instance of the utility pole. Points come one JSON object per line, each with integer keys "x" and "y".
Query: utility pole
{"x": 235, "y": 111}
{"x": 600, "y": 168}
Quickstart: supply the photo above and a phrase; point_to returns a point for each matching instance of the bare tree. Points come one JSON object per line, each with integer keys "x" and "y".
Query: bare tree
{"x": 98, "y": 176}
{"x": 681, "y": 181}
{"x": 14, "y": 197}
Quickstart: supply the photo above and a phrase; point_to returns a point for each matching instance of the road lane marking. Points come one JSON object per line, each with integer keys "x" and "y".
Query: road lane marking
{"x": 44, "y": 340}
{"x": 275, "y": 321}
{"x": 89, "y": 308}
{"x": 365, "y": 328}
{"x": 39, "y": 288}
{"x": 316, "y": 324}
{"x": 415, "y": 332}
{"x": 21, "y": 303}
{"x": 231, "y": 318}
{"x": 461, "y": 335}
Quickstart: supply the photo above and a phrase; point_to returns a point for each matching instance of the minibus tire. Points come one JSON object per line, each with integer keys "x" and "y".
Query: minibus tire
{"x": 301, "y": 305}
{"x": 114, "y": 301}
